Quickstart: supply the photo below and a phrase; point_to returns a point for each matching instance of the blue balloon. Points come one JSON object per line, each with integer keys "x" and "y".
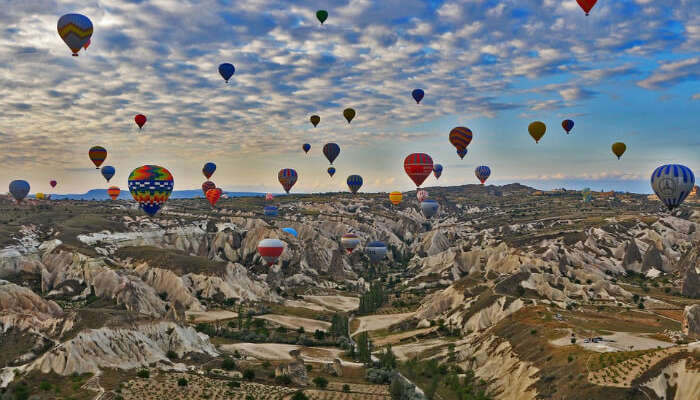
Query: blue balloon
{"x": 209, "y": 169}
{"x": 306, "y": 147}
{"x": 270, "y": 211}
{"x": 331, "y": 171}
{"x": 354, "y": 183}
{"x": 462, "y": 153}
{"x": 291, "y": 231}
{"x": 418, "y": 95}
{"x": 331, "y": 151}
{"x": 437, "y": 170}
{"x": 19, "y": 189}
{"x": 226, "y": 70}
{"x": 108, "y": 172}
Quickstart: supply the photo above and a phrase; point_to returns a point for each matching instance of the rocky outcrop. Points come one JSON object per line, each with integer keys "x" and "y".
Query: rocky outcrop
{"x": 296, "y": 370}
{"x": 690, "y": 264}
{"x": 691, "y": 321}
{"x": 633, "y": 257}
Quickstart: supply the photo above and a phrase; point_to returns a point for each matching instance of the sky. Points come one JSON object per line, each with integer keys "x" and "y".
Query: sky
{"x": 629, "y": 72}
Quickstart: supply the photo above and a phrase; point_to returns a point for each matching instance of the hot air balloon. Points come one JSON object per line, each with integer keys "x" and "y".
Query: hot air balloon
{"x": 113, "y": 192}
{"x": 537, "y": 130}
{"x": 354, "y": 183}
{"x": 586, "y": 194}
{"x": 460, "y": 137}
{"x": 331, "y": 171}
{"x": 208, "y": 169}
{"x": 331, "y": 151}
{"x": 140, "y": 120}
{"x": 586, "y": 5}
{"x": 97, "y": 154}
{"x": 349, "y": 114}
{"x": 418, "y": 166}
{"x": 108, "y": 172}
{"x": 376, "y": 251}
{"x": 482, "y": 173}
{"x": 87, "y": 44}
{"x": 395, "y": 198}
{"x": 270, "y": 211}
{"x": 75, "y": 30}
{"x": 226, "y": 70}
{"x": 322, "y": 16}
{"x": 207, "y": 186}
{"x": 568, "y": 125}
{"x": 53, "y": 183}
{"x": 287, "y": 177}
{"x": 429, "y": 208}
{"x": 270, "y": 250}
{"x": 150, "y": 186}
{"x": 418, "y": 95}
{"x": 19, "y": 189}
{"x": 315, "y": 119}
{"x": 437, "y": 170}
{"x": 306, "y": 147}
{"x": 269, "y": 197}
{"x": 618, "y": 148}
{"x": 39, "y": 196}
{"x": 291, "y": 231}
{"x": 213, "y": 195}
{"x": 461, "y": 153}
{"x": 672, "y": 183}
{"x": 421, "y": 195}
{"x": 349, "y": 241}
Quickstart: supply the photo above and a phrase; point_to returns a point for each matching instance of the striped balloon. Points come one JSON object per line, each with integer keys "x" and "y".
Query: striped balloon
{"x": 354, "y": 183}
{"x": 395, "y": 198}
{"x": 349, "y": 241}
{"x": 672, "y": 183}
{"x": 482, "y": 173}
{"x": 270, "y": 250}
{"x": 75, "y": 30}
{"x": 461, "y": 153}
{"x": 418, "y": 166}
{"x": 376, "y": 251}
{"x": 207, "y": 186}
{"x": 287, "y": 177}
{"x": 460, "y": 137}
{"x": 331, "y": 171}
{"x": 98, "y": 155}
{"x": 270, "y": 211}
{"x": 150, "y": 186}
{"x": 331, "y": 151}
{"x": 113, "y": 192}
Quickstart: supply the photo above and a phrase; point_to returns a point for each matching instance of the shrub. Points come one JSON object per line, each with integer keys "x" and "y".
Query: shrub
{"x": 346, "y": 388}
{"x": 228, "y": 364}
{"x": 234, "y": 384}
{"x": 320, "y": 382}
{"x": 182, "y": 382}
{"x": 266, "y": 364}
{"x": 283, "y": 380}
{"x": 171, "y": 354}
{"x": 299, "y": 395}
{"x": 144, "y": 373}
{"x": 249, "y": 374}
{"x": 45, "y": 386}
{"x": 533, "y": 332}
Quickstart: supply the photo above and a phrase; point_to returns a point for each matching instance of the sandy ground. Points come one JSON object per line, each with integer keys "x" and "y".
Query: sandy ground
{"x": 622, "y": 342}
{"x": 310, "y": 325}
{"x": 305, "y": 304}
{"x": 210, "y": 316}
{"x": 340, "y": 303}
{"x": 398, "y": 337}
{"x": 280, "y": 352}
{"x": 375, "y": 322}
{"x": 407, "y": 351}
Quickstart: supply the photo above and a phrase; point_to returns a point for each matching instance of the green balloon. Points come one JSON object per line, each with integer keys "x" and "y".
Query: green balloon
{"x": 322, "y": 15}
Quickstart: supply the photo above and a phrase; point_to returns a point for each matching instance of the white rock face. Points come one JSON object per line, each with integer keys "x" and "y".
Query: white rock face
{"x": 685, "y": 380}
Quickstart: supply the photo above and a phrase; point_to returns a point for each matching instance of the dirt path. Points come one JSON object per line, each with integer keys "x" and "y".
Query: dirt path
{"x": 280, "y": 352}
{"x": 339, "y": 303}
{"x": 210, "y": 316}
{"x": 309, "y": 325}
{"x": 376, "y": 322}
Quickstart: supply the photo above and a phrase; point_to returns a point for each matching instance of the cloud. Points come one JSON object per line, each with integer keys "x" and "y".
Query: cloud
{"x": 673, "y": 72}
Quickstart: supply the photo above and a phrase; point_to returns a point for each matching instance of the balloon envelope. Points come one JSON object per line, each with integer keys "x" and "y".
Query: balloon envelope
{"x": 395, "y": 198}
{"x": 113, "y": 192}
{"x": 270, "y": 211}
{"x": 75, "y": 30}
{"x": 291, "y": 231}
{"x": 437, "y": 170}
{"x": 140, "y": 120}
{"x": 349, "y": 114}
{"x": 461, "y": 153}
{"x": 418, "y": 166}
{"x": 537, "y": 130}
{"x": 460, "y": 137}
{"x": 322, "y": 16}
{"x": 619, "y": 148}
{"x": 418, "y": 95}
{"x": 568, "y": 125}
{"x": 482, "y": 173}
{"x": 429, "y": 207}
{"x": 150, "y": 186}
{"x": 269, "y": 196}
{"x": 208, "y": 169}
{"x": 331, "y": 171}
{"x": 586, "y": 5}
{"x": 206, "y": 186}
{"x": 108, "y": 172}
{"x": 287, "y": 177}
{"x": 349, "y": 241}
{"x": 213, "y": 195}
{"x": 421, "y": 195}
{"x": 672, "y": 183}
{"x": 226, "y": 70}
{"x": 306, "y": 147}
{"x": 53, "y": 183}
{"x": 315, "y": 119}
{"x": 376, "y": 251}
{"x": 270, "y": 250}
{"x": 354, "y": 183}
{"x": 39, "y": 196}
{"x": 19, "y": 189}
{"x": 331, "y": 151}
{"x": 97, "y": 154}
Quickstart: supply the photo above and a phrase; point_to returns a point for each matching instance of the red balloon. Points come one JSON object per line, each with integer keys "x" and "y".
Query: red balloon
{"x": 213, "y": 196}
{"x": 586, "y": 5}
{"x": 418, "y": 166}
{"x": 208, "y": 185}
{"x": 140, "y": 120}
{"x": 53, "y": 183}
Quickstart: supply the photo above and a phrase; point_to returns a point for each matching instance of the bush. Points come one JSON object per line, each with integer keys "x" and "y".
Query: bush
{"x": 346, "y": 388}
{"x": 320, "y": 382}
{"x": 228, "y": 364}
{"x": 533, "y": 332}
{"x": 379, "y": 376}
{"x": 182, "y": 382}
{"x": 283, "y": 380}
{"x": 45, "y": 386}
{"x": 299, "y": 396}
{"x": 249, "y": 374}
{"x": 171, "y": 354}
{"x": 309, "y": 367}
{"x": 144, "y": 373}
{"x": 266, "y": 364}
{"x": 234, "y": 384}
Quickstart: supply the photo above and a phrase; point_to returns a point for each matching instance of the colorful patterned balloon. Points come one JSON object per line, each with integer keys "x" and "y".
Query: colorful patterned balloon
{"x": 672, "y": 183}
{"x": 354, "y": 183}
{"x": 98, "y": 155}
{"x": 482, "y": 173}
{"x": 206, "y": 186}
{"x": 151, "y": 185}
{"x": 75, "y": 30}
{"x": 395, "y": 198}
{"x": 437, "y": 170}
{"x": 208, "y": 169}
{"x": 418, "y": 166}
{"x": 568, "y": 125}
{"x": 113, "y": 192}
{"x": 460, "y": 137}
{"x": 331, "y": 171}
{"x": 287, "y": 177}
{"x": 331, "y": 151}
{"x": 213, "y": 195}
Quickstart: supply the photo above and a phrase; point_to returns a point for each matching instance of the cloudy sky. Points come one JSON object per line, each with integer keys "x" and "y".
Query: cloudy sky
{"x": 629, "y": 72}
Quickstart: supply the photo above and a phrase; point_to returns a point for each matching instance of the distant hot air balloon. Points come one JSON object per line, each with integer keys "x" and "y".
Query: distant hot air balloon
{"x": 395, "y": 198}
{"x": 376, "y": 251}
{"x": 226, "y": 70}
{"x": 306, "y": 147}
{"x": 213, "y": 195}
{"x": 75, "y": 30}
{"x": 270, "y": 250}
{"x": 208, "y": 169}
{"x": 568, "y": 125}
{"x": 207, "y": 186}
{"x": 482, "y": 173}
{"x": 315, "y": 119}
{"x": 418, "y": 95}
{"x": 97, "y": 154}
{"x": 287, "y": 177}
{"x": 140, "y": 120}
{"x": 150, "y": 186}
{"x": 421, "y": 195}
{"x": 429, "y": 208}
{"x": 461, "y": 153}
{"x": 331, "y": 151}
{"x": 354, "y": 183}
{"x": 537, "y": 130}
{"x": 108, "y": 172}
{"x": 331, "y": 171}
{"x": 349, "y": 241}
{"x": 586, "y": 5}
{"x": 53, "y": 183}
{"x": 269, "y": 197}
{"x": 291, "y": 231}
{"x": 619, "y": 148}
{"x": 270, "y": 211}
{"x": 418, "y": 166}
{"x": 19, "y": 189}
{"x": 87, "y": 44}
{"x": 460, "y": 137}
{"x": 349, "y": 114}
{"x": 39, "y": 196}
{"x": 113, "y": 192}
{"x": 437, "y": 170}
{"x": 672, "y": 183}
{"x": 586, "y": 194}
{"x": 322, "y": 16}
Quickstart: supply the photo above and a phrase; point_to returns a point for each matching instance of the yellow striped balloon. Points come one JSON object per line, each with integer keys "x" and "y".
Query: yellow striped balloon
{"x": 395, "y": 198}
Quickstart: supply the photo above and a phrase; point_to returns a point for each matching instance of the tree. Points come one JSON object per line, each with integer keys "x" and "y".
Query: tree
{"x": 387, "y": 360}
{"x": 228, "y": 364}
{"x": 320, "y": 382}
{"x": 182, "y": 382}
{"x": 346, "y": 388}
{"x": 144, "y": 373}
{"x": 364, "y": 353}
{"x": 319, "y": 334}
{"x": 299, "y": 395}
{"x": 249, "y": 374}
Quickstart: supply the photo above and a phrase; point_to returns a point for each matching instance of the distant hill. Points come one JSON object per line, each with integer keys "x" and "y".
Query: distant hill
{"x": 101, "y": 194}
